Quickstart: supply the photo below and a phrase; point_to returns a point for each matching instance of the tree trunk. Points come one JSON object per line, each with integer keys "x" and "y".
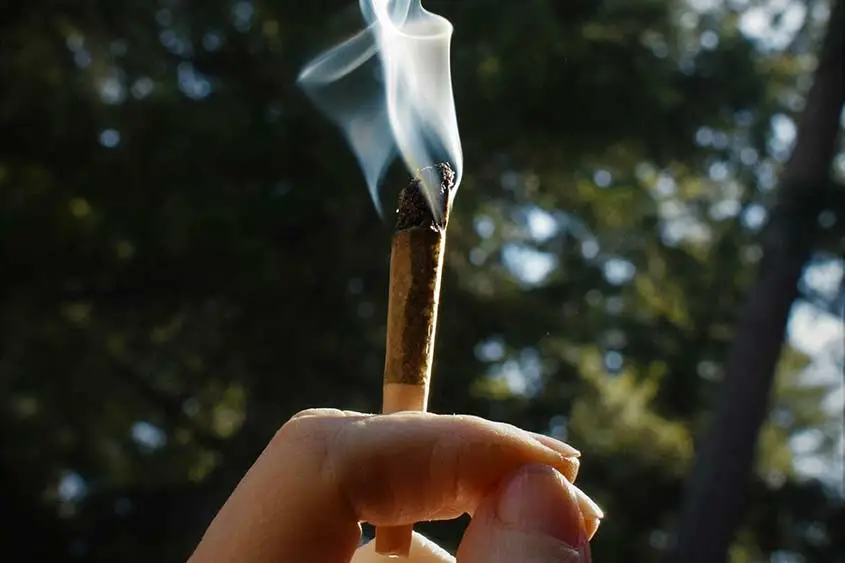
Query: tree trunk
{"x": 715, "y": 497}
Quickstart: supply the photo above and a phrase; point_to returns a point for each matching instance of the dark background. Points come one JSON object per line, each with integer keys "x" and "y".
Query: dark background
{"x": 190, "y": 256}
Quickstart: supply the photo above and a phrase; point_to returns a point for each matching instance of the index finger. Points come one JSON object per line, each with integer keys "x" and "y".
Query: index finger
{"x": 326, "y": 471}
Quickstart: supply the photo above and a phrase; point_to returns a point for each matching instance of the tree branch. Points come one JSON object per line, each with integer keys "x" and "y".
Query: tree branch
{"x": 715, "y": 498}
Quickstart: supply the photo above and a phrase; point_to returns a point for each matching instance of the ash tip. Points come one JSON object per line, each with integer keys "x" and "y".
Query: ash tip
{"x": 415, "y": 210}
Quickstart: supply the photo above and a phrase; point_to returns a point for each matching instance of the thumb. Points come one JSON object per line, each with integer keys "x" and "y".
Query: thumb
{"x": 533, "y": 518}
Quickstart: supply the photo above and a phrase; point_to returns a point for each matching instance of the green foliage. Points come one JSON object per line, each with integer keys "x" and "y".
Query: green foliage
{"x": 190, "y": 256}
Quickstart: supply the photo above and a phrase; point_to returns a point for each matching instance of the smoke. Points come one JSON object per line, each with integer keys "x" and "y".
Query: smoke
{"x": 389, "y": 90}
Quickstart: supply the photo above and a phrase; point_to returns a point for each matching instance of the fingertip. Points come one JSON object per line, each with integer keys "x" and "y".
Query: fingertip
{"x": 533, "y": 516}
{"x": 593, "y": 514}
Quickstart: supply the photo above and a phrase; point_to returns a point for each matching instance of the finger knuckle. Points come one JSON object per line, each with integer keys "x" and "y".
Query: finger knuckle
{"x": 305, "y": 426}
{"x": 315, "y": 425}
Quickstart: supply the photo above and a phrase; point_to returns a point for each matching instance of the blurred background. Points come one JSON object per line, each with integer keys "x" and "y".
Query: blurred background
{"x": 190, "y": 256}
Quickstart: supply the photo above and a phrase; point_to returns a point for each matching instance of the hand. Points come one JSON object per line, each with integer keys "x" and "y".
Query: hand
{"x": 326, "y": 471}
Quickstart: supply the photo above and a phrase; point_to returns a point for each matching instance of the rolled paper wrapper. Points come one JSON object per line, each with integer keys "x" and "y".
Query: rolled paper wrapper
{"x": 416, "y": 266}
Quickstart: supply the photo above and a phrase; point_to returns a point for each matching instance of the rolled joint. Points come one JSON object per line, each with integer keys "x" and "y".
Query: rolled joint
{"x": 401, "y": 397}
{"x": 394, "y": 541}
{"x": 416, "y": 264}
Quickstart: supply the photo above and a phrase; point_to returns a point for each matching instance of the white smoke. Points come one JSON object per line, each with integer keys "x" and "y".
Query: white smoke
{"x": 389, "y": 89}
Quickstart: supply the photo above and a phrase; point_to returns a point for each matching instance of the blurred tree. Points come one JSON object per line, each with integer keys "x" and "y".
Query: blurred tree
{"x": 189, "y": 256}
{"x": 725, "y": 459}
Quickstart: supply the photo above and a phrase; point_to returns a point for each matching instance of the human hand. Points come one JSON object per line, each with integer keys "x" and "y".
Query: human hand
{"x": 326, "y": 471}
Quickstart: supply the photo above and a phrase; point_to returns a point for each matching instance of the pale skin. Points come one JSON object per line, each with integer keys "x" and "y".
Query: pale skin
{"x": 326, "y": 471}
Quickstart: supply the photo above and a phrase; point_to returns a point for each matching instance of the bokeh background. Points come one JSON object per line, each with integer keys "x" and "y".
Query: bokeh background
{"x": 190, "y": 256}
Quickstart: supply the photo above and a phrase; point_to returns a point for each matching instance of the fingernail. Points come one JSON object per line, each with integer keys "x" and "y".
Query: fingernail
{"x": 562, "y": 448}
{"x": 538, "y": 500}
{"x": 591, "y": 526}
{"x": 570, "y": 467}
{"x": 588, "y": 506}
